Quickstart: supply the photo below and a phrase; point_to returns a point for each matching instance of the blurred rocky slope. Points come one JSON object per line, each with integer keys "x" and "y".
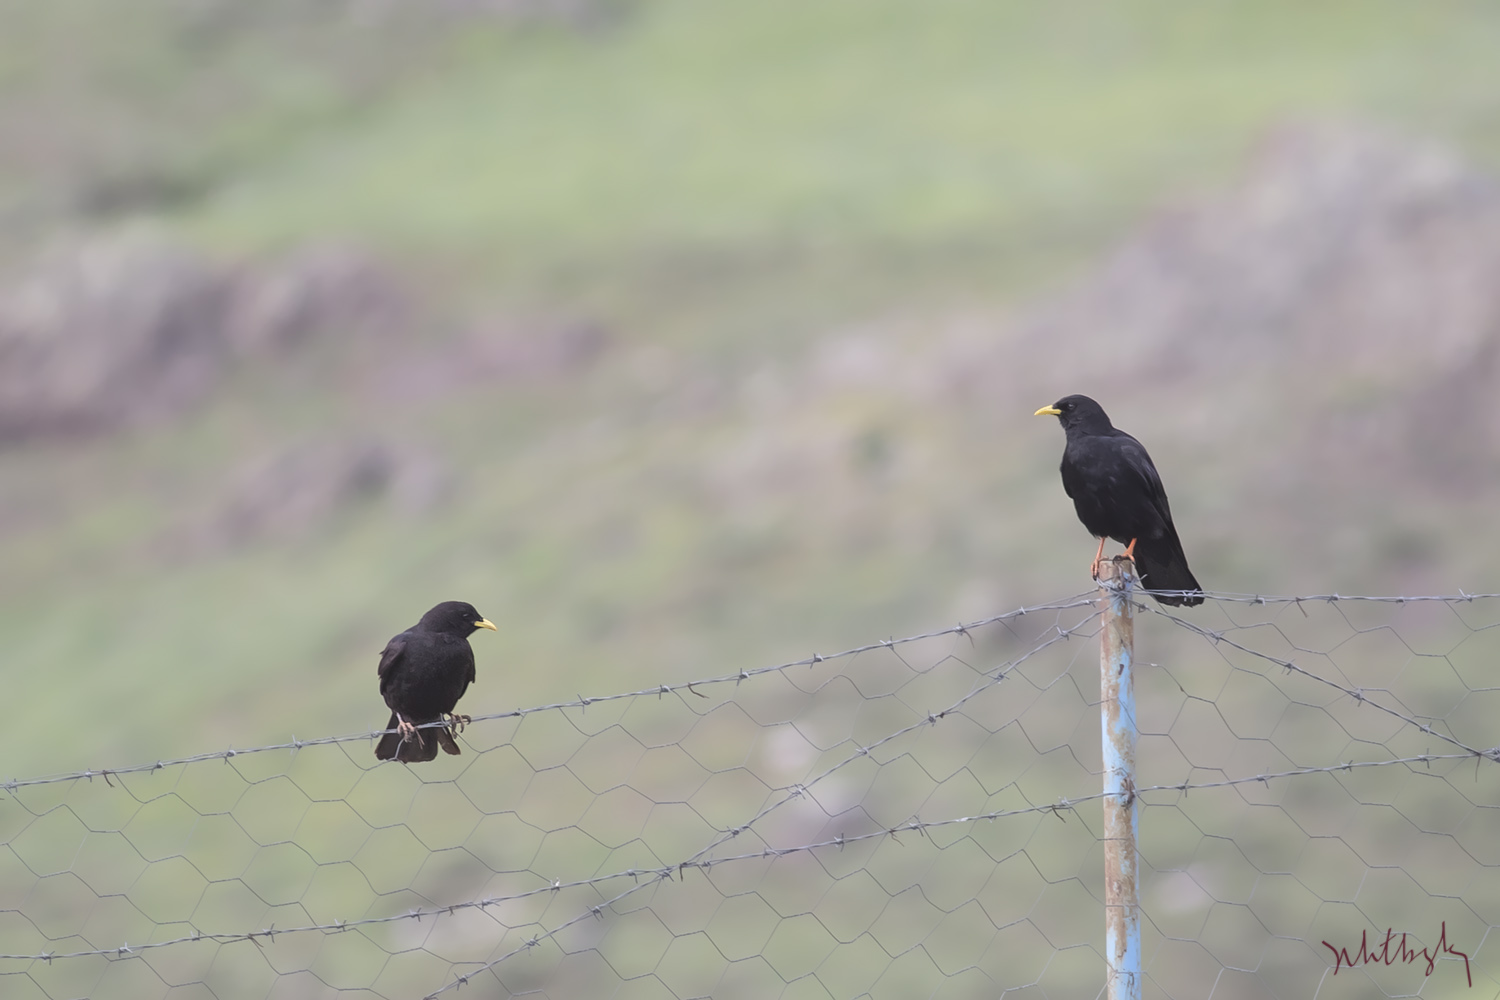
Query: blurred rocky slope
{"x": 1311, "y": 351}
{"x": 117, "y": 330}
{"x": 1326, "y": 334}
{"x": 1323, "y": 331}
{"x": 125, "y": 331}
{"x": 1355, "y": 270}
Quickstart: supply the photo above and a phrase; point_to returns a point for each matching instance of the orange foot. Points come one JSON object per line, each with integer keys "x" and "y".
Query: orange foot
{"x": 1098, "y": 558}
{"x": 1130, "y": 550}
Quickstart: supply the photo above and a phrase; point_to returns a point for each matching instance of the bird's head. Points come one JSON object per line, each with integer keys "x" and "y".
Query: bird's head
{"x": 456, "y": 618}
{"x": 1077, "y": 412}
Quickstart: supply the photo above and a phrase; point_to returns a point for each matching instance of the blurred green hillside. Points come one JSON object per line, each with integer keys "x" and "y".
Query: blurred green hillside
{"x": 791, "y": 228}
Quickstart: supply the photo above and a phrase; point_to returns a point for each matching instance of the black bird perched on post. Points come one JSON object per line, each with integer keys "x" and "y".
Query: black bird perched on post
{"x": 1119, "y": 495}
{"x": 423, "y": 672}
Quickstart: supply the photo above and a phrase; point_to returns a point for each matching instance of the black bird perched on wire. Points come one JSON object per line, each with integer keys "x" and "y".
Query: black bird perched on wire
{"x": 1119, "y": 495}
{"x": 423, "y": 672}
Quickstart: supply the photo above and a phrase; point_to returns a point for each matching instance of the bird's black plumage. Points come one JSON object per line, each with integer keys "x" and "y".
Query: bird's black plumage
{"x": 423, "y": 672}
{"x": 1118, "y": 494}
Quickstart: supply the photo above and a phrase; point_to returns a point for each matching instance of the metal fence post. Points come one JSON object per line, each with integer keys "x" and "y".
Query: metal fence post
{"x": 1122, "y": 909}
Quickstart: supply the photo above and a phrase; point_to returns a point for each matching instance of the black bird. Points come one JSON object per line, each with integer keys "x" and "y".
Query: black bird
{"x": 1119, "y": 495}
{"x": 423, "y": 672}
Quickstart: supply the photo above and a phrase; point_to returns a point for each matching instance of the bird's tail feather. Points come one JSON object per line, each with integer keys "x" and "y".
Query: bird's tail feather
{"x": 1163, "y": 567}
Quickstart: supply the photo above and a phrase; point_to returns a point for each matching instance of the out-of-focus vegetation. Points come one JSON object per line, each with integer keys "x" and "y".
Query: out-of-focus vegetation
{"x": 686, "y": 337}
{"x": 769, "y": 210}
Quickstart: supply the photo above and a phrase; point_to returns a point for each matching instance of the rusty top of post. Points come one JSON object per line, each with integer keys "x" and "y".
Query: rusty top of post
{"x": 1116, "y": 572}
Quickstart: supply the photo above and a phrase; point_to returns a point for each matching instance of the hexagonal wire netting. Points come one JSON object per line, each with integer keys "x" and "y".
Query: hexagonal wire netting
{"x": 917, "y": 817}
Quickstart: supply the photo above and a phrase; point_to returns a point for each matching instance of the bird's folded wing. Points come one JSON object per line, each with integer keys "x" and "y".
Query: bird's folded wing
{"x": 389, "y": 658}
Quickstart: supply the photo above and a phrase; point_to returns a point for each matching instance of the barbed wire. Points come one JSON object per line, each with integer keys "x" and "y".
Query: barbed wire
{"x": 894, "y": 743}
{"x": 658, "y": 691}
{"x": 1360, "y": 695}
{"x": 1238, "y": 597}
{"x": 1057, "y": 808}
{"x": 911, "y": 826}
{"x": 1077, "y": 601}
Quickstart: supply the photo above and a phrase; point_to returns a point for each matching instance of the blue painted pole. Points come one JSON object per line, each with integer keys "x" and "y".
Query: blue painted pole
{"x": 1122, "y": 904}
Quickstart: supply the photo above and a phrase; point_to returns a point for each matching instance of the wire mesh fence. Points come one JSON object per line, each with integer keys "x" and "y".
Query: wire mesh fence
{"x": 915, "y": 817}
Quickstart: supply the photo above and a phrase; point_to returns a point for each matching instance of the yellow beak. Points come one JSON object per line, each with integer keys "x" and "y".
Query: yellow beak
{"x": 486, "y": 623}
{"x": 1048, "y": 411}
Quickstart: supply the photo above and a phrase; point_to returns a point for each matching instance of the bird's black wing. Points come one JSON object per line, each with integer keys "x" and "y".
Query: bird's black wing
{"x": 1148, "y": 480}
{"x": 460, "y": 683}
{"x": 390, "y": 661}
{"x": 1072, "y": 479}
{"x": 1081, "y": 467}
{"x": 1158, "y": 556}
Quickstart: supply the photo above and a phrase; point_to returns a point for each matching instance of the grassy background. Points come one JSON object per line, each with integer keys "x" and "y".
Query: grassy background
{"x": 728, "y": 189}
{"x": 775, "y": 210}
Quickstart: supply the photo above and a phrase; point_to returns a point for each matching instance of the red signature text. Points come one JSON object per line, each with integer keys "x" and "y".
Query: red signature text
{"x": 1395, "y": 950}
